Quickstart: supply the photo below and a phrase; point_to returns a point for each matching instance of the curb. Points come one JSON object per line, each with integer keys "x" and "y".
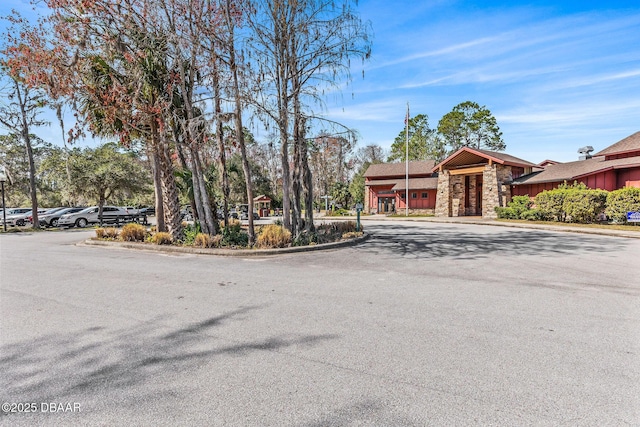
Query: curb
{"x": 556, "y": 228}
{"x": 223, "y": 252}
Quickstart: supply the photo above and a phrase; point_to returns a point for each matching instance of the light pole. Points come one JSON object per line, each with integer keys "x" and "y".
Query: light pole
{"x": 3, "y": 178}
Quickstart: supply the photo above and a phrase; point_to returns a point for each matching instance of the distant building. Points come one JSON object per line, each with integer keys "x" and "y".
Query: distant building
{"x": 385, "y": 185}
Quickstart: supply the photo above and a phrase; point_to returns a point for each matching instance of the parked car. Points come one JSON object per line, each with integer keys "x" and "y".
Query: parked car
{"x": 186, "y": 213}
{"x": 50, "y": 219}
{"x": 20, "y": 216}
{"x": 110, "y": 214}
{"x": 131, "y": 210}
{"x": 149, "y": 211}
{"x": 245, "y": 216}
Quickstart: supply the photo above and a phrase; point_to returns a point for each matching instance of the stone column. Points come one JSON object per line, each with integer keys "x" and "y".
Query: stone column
{"x": 490, "y": 192}
{"x": 367, "y": 198}
{"x": 443, "y": 194}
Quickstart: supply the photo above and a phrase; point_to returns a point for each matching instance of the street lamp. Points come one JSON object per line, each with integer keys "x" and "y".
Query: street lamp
{"x": 4, "y": 176}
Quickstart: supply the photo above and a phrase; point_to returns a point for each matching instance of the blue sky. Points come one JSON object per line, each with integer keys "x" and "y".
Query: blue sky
{"x": 556, "y": 75}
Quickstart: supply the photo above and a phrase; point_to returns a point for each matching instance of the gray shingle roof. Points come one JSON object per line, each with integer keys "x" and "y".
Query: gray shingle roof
{"x": 630, "y": 143}
{"x": 398, "y": 169}
{"x": 573, "y": 170}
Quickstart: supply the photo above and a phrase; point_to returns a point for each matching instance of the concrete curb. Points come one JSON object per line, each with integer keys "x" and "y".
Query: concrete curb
{"x": 494, "y": 223}
{"x": 223, "y": 252}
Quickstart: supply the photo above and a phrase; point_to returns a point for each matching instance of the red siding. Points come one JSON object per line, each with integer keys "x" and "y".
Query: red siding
{"x": 628, "y": 178}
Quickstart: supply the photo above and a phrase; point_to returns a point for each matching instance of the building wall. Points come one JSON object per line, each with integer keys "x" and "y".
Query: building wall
{"x": 608, "y": 180}
{"x": 628, "y": 178}
{"x": 419, "y": 202}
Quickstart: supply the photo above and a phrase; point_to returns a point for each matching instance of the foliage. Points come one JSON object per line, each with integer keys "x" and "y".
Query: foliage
{"x": 340, "y": 194}
{"x": 161, "y": 238}
{"x": 352, "y": 235}
{"x": 424, "y": 142}
{"x": 571, "y": 203}
{"x": 190, "y": 233}
{"x": 109, "y": 233}
{"x": 305, "y": 238}
{"x": 584, "y": 206}
{"x": 621, "y": 201}
{"x": 470, "y": 125}
{"x": 133, "y": 232}
{"x": 516, "y": 208}
{"x": 202, "y": 240}
{"x": 106, "y": 172}
{"x": 273, "y": 236}
{"x": 233, "y": 235}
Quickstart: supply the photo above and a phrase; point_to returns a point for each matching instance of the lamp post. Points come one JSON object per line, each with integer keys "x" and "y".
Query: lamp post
{"x": 3, "y": 178}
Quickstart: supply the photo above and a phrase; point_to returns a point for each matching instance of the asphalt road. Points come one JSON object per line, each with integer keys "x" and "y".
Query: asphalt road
{"x": 423, "y": 324}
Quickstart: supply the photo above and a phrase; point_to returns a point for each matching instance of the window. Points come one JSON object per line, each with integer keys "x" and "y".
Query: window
{"x": 402, "y": 195}
{"x": 414, "y": 195}
{"x": 425, "y": 195}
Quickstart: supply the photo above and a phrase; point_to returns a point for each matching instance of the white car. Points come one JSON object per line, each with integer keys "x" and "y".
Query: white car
{"x": 110, "y": 214}
{"x": 20, "y": 216}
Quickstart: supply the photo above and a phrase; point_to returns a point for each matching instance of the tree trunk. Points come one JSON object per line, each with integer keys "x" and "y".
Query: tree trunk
{"x": 224, "y": 174}
{"x": 238, "y": 119}
{"x": 152, "y": 151}
{"x": 27, "y": 142}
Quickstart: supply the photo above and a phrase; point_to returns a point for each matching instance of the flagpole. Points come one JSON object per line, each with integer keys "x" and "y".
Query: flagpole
{"x": 406, "y": 189}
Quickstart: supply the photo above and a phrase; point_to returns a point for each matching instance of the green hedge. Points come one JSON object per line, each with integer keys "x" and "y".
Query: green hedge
{"x": 621, "y": 201}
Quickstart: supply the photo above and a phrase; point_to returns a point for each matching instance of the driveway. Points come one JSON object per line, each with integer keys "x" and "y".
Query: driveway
{"x": 423, "y": 324}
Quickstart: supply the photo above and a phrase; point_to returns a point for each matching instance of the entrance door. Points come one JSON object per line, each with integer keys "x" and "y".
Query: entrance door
{"x": 386, "y": 204}
{"x": 479, "y": 198}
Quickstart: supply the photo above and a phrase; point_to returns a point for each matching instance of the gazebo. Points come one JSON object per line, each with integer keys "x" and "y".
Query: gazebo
{"x": 263, "y": 204}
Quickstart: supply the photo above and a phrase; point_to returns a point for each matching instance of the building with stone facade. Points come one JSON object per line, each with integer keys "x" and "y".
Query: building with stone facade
{"x": 473, "y": 182}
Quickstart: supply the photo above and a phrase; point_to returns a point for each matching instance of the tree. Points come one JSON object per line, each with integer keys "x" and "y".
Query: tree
{"x": 300, "y": 48}
{"x": 365, "y": 157}
{"x": 20, "y": 116}
{"x": 13, "y": 155}
{"x": 105, "y": 172}
{"x": 424, "y": 143}
{"x": 470, "y": 125}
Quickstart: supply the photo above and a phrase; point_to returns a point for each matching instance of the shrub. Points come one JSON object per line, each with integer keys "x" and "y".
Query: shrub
{"x": 202, "y": 240}
{"x": 190, "y": 233}
{"x": 550, "y": 205}
{"x": 216, "y": 241}
{"x": 233, "y": 234}
{"x": 109, "y": 233}
{"x": 161, "y": 238}
{"x": 133, "y": 233}
{"x": 305, "y": 238}
{"x": 273, "y": 236}
{"x": 506, "y": 213}
{"x": 531, "y": 215}
{"x": 584, "y": 206}
{"x": 352, "y": 235}
{"x": 621, "y": 201}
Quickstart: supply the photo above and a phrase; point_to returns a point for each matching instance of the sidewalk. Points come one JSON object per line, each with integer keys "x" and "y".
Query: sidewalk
{"x": 485, "y": 221}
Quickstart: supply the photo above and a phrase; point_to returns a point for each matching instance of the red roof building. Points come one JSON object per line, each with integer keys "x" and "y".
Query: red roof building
{"x": 474, "y": 182}
{"x": 617, "y": 166}
{"x": 386, "y": 189}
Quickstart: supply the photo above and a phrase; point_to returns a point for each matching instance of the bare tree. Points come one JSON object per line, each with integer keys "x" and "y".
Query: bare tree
{"x": 301, "y": 47}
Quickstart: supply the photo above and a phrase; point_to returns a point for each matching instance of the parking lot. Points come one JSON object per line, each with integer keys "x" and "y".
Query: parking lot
{"x": 423, "y": 324}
